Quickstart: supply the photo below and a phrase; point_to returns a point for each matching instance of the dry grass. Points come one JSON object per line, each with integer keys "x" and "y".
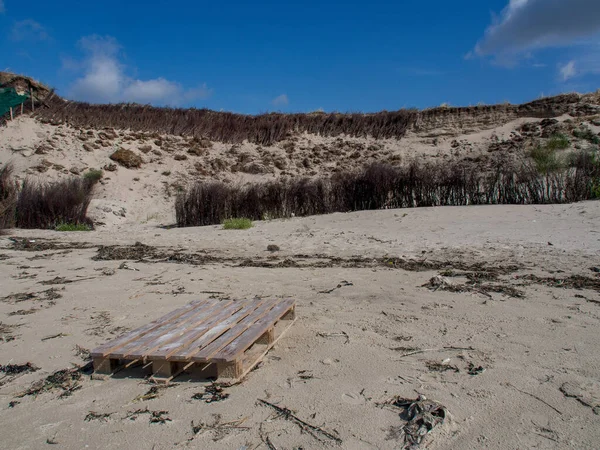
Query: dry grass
{"x": 381, "y": 186}
{"x": 8, "y": 197}
{"x": 266, "y": 129}
{"x": 42, "y": 205}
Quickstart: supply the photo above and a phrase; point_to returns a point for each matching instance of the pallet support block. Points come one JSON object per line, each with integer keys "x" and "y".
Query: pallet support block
{"x": 163, "y": 369}
{"x": 290, "y": 315}
{"x": 267, "y": 338}
{"x": 232, "y": 370}
{"x": 104, "y": 366}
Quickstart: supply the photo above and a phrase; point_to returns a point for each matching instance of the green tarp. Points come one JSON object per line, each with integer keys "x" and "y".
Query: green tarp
{"x": 9, "y": 99}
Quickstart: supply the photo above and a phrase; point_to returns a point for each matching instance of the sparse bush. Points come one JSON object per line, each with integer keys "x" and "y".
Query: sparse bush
{"x": 42, "y": 205}
{"x": 558, "y": 142}
{"x": 237, "y": 224}
{"x": 545, "y": 158}
{"x": 92, "y": 176}
{"x": 73, "y": 227}
{"x": 587, "y": 134}
{"x": 8, "y": 197}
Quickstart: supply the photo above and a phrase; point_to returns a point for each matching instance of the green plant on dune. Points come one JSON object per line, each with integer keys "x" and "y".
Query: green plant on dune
{"x": 73, "y": 227}
{"x": 237, "y": 224}
{"x": 558, "y": 141}
{"x": 586, "y": 134}
{"x": 93, "y": 176}
{"x": 545, "y": 158}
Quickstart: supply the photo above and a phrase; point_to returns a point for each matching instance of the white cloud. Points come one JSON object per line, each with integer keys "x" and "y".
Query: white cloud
{"x": 105, "y": 79}
{"x": 2, "y": 8}
{"x": 281, "y": 100}
{"x": 28, "y": 30}
{"x": 568, "y": 71}
{"x": 532, "y": 24}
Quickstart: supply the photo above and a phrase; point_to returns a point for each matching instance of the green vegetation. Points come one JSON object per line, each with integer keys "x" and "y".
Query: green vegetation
{"x": 587, "y": 134}
{"x": 73, "y": 227}
{"x": 237, "y": 224}
{"x": 545, "y": 158}
{"x": 558, "y": 142}
{"x": 93, "y": 175}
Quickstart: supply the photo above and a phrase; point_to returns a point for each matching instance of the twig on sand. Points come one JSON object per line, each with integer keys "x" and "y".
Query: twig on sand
{"x": 54, "y": 336}
{"x": 340, "y": 285}
{"x": 534, "y": 396}
{"x": 544, "y": 436}
{"x": 311, "y": 429}
{"x": 443, "y": 349}
{"x": 265, "y": 438}
{"x": 327, "y": 335}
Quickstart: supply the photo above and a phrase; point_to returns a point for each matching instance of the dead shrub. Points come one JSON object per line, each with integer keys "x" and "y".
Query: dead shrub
{"x": 8, "y": 197}
{"x": 44, "y": 205}
{"x": 127, "y": 158}
{"x": 382, "y": 186}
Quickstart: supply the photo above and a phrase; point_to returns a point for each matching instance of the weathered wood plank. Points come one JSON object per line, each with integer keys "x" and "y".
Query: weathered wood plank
{"x": 249, "y": 337}
{"x": 196, "y": 338}
{"x": 179, "y": 322}
{"x": 201, "y": 319}
{"x": 254, "y": 355}
{"x": 207, "y": 352}
{"x": 113, "y": 345}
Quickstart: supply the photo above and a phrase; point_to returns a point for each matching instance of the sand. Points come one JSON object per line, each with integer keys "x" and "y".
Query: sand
{"x": 350, "y": 349}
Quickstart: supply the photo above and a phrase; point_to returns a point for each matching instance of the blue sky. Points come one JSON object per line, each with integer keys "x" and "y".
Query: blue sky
{"x": 259, "y": 56}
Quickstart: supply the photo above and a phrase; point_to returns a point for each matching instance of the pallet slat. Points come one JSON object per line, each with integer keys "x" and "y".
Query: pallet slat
{"x": 163, "y": 328}
{"x": 106, "y": 348}
{"x": 246, "y": 339}
{"x": 205, "y": 354}
{"x": 193, "y": 341}
{"x": 200, "y": 321}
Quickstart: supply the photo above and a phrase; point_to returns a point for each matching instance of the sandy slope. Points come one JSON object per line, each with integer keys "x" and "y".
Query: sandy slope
{"x": 530, "y": 347}
{"x": 133, "y": 196}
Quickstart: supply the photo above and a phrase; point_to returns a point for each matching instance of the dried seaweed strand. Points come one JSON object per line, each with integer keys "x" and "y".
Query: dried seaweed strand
{"x": 312, "y": 429}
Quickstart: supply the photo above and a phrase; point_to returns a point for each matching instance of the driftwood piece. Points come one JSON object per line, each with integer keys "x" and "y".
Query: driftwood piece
{"x": 313, "y": 430}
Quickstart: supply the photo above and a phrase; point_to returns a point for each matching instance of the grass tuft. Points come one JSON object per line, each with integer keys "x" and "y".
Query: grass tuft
{"x": 237, "y": 224}
{"x": 545, "y": 158}
{"x": 92, "y": 176}
{"x": 586, "y": 134}
{"x": 73, "y": 227}
{"x": 558, "y": 142}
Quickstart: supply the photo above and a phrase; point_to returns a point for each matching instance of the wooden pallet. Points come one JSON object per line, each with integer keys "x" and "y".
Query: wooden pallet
{"x": 224, "y": 339}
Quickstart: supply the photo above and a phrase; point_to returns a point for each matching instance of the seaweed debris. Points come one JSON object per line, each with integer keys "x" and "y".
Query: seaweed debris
{"x": 66, "y": 380}
{"x": 421, "y": 416}
{"x": 211, "y": 394}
